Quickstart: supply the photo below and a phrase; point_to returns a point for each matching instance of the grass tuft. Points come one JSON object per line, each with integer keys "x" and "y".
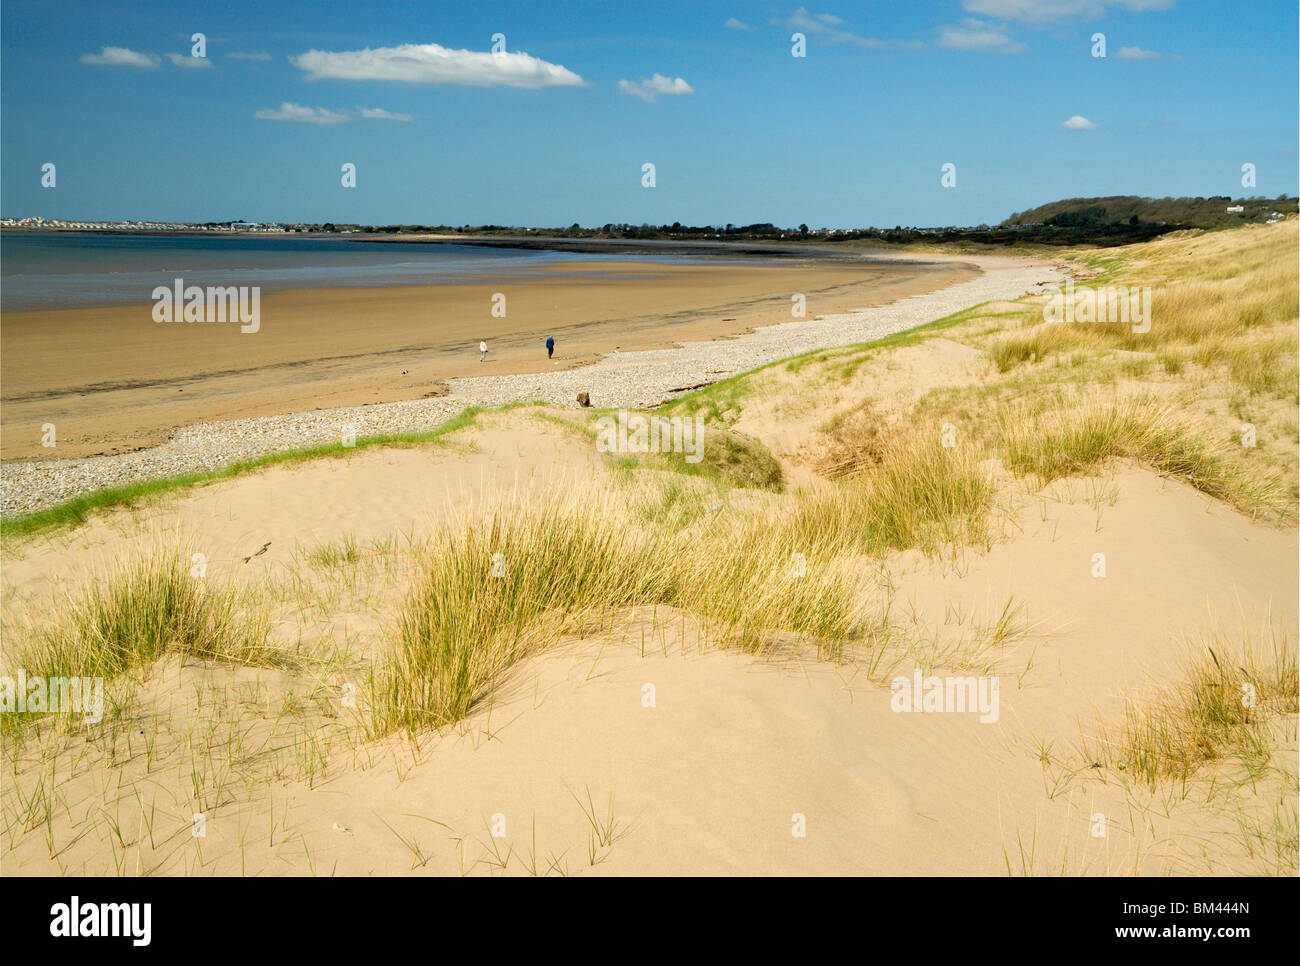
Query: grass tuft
{"x": 1057, "y": 443}
{"x": 921, "y": 495}
{"x": 148, "y": 609}
{"x": 1223, "y": 709}
{"x": 509, "y": 585}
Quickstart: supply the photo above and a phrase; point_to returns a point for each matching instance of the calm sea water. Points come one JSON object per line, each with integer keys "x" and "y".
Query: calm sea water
{"x": 41, "y": 270}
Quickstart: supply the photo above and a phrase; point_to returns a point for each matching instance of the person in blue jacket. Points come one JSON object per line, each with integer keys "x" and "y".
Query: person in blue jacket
{"x": 550, "y": 346}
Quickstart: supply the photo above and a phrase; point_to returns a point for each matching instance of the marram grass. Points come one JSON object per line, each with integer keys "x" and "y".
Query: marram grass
{"x": 128, "y": 619}
{"x": 1229, "y": 695}
{"x": 1061, "y": 442}
{"x": 922, "y": 495}
{"x": 516, "y": 580}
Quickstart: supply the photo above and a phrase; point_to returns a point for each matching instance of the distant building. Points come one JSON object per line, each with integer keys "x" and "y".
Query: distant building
{"x": 1235, "y": 209}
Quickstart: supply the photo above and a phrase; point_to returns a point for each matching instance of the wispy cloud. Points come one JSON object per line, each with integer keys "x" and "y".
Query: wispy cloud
{"x": 1137, "y": 53}
{"x": 1047, "y": 11}
{"x": 978, "y": 35}
{"x": 378, "y": 113}
{"x": 185, "y": 60}
{"x": 121, "y": 57}
{"x": 434, "y": 64}
{"x": 249, "y": 55}
{"x": 648, "y": 88}
{"x": 289, "y": 111}
{"x": 1078, "y": 122}
{"x": 734, "y": 24}
{"x": 824, "y": 28}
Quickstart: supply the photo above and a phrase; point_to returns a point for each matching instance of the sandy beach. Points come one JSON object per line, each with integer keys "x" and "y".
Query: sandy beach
{"x": 648, "y": 733}
{"x": 707, "y": 669}
{"x": 112, "y": 380}
{"x": 631, "y": 378}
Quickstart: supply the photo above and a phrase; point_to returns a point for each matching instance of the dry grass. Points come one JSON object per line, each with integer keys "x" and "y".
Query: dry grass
{"x": 1226, "y": 300}
{"x": 921, "y": 495}
{"x": 518, "y": 579}
{"x": 853, "y": 441}
{"x": 1059, "y": 442}
{"x": 1229, "y": 695}
{"x": 130, "y": 618}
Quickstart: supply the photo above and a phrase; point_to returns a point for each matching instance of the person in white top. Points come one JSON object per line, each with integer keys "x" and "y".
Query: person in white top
{"x": 482, "y": 351}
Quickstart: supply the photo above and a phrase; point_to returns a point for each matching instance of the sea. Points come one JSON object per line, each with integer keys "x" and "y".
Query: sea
{"x": 56, "y": 270}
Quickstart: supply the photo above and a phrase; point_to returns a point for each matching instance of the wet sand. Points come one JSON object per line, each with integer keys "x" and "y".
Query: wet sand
{"x": 112, "y": 380}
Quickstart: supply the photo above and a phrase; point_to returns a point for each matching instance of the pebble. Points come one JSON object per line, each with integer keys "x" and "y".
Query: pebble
{"x": 632, "y": 380}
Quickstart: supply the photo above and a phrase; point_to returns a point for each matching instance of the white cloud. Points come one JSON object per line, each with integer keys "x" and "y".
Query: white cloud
{"x": 185, "y": 60}
{"x": 289, "y": 111}
{"x": 378, "y": 113}
{"x": 825, "y": 29}
{"x": 249, "y": 55}
{"x": 1078, "y": 122}
{"x": 1136, "y": 53}
{"x": 648, "y": 88}
{"x": 734, "y": 24}
{"x": 973, "y": 34}
{"x": 433, "y": 64}
{"x": 121, "y": 57}
{"x": 1044, "y": 11}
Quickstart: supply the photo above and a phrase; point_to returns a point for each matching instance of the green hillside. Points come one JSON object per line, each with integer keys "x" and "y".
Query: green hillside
{"x": 1131, "y": 210}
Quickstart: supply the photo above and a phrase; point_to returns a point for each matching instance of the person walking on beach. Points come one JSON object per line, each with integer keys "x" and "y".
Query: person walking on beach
{"x": 550, "y": 346}
{"x": 482, "y": 351}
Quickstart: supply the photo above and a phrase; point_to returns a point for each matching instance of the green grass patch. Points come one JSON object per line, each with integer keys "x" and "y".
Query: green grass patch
{"x": 339, "y": 554}
{"x": 76, "y": 511}
{"x": 731, "y": 459}
{"x": 131, "y": 618}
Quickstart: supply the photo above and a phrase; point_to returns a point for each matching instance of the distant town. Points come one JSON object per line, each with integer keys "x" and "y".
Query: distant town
{"x": 63, "y": 224}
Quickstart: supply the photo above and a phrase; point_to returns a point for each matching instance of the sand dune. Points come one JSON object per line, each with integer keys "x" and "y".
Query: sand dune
{"x": 1115, "y": 603}
{"x": 711, "y": 779}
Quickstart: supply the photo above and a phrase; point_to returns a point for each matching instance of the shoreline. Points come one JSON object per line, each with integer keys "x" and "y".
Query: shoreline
{"x": 702, "y": 248}
{"x": 630, "y": 379}
{"x": 777, "y": 248}
{"x": 112, "y": 380}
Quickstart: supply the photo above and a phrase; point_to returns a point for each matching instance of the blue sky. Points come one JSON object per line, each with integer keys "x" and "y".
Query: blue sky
{"x": 739, "y": 130}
